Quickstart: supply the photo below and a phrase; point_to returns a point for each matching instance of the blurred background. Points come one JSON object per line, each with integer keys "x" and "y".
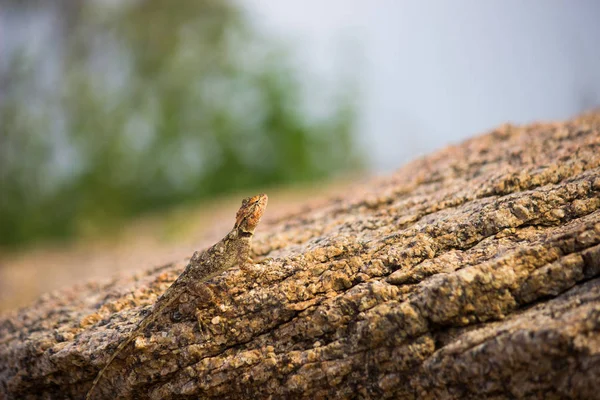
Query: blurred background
{"x": 114, "y": 112}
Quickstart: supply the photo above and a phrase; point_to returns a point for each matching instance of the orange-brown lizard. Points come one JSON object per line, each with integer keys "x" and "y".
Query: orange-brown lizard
{"x": 233, "y": 249}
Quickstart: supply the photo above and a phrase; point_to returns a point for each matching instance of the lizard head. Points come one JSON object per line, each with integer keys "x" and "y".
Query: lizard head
{"x": 249, "y": 214}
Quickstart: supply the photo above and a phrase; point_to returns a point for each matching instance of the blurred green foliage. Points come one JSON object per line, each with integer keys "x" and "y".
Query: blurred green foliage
{"x": 155, "y": 104}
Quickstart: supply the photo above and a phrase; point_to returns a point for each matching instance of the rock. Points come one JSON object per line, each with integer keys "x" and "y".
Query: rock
{"x": 471, "y": 273}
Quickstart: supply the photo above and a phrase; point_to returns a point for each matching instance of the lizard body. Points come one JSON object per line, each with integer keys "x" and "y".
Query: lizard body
{"x": 233, "y": 249}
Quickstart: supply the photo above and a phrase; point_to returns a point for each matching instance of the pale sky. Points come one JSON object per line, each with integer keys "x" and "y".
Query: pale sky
{"x": 437, "y": 72}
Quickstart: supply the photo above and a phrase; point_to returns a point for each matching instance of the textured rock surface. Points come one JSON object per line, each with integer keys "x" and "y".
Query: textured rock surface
{"x": 474, "y": 272}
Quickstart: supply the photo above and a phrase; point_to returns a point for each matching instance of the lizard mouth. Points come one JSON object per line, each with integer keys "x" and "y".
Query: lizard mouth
{"x": 245, "y": 234}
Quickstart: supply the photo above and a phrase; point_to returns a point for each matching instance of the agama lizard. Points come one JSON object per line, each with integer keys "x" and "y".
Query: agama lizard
{"x": 233, "y": 249}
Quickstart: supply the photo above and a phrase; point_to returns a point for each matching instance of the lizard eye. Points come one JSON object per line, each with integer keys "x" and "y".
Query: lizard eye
{"x": 176, "y": 316}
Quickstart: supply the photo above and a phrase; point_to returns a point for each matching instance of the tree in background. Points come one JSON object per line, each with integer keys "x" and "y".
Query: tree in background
{"x": 146, "y": 104}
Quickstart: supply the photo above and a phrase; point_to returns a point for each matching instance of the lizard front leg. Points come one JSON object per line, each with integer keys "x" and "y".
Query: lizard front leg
{"x": 197, "y": 293}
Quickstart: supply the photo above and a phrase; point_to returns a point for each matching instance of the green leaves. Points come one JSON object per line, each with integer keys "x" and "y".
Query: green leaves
{"x": 154, "y": 105}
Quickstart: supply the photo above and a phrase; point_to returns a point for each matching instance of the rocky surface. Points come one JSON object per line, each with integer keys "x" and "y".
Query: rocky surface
{"x": 471, "y": 273}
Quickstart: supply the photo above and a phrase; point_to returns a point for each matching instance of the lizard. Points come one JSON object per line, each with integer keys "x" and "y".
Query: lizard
{"x": 233, "y": 249}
